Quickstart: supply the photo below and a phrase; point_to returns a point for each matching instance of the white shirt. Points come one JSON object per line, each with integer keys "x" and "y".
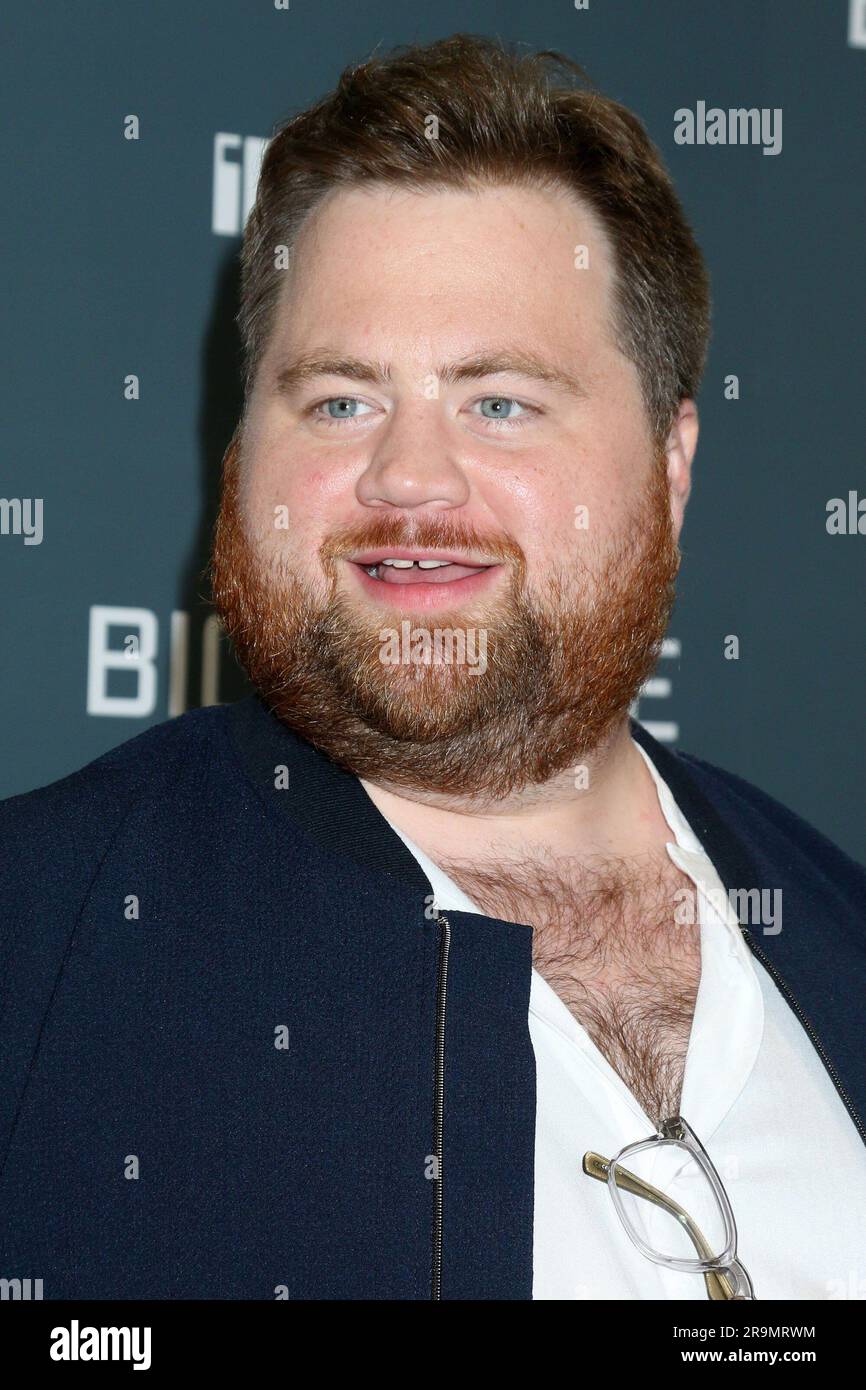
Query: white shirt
{"x": 754, "y": 1091}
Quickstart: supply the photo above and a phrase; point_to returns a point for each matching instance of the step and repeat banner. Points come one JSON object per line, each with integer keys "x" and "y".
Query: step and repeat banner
{"x": 133, "y": 135}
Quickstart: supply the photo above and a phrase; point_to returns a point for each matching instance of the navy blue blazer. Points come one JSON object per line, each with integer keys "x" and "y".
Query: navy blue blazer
{"x": 244, "y": 1057}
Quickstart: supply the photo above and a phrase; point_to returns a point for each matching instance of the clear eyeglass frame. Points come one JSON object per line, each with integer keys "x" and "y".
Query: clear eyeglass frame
{"x": 725, "y": 1276}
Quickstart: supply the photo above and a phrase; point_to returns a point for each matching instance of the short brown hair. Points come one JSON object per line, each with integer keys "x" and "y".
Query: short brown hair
{"x": 501, "y": 118}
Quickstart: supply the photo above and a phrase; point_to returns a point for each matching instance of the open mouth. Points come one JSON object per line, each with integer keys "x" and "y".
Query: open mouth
{"x": 429, "y": 575}
{"x": 420, "y": 571}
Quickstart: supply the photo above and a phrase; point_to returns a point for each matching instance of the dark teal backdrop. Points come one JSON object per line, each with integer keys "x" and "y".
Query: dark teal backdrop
{"x": 121, "y": 261}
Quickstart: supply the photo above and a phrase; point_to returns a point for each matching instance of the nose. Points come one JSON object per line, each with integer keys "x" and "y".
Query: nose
{"x": 414, "y": 463}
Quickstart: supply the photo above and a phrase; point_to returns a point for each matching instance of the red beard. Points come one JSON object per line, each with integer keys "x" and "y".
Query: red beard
{"x": 561, "y": 669}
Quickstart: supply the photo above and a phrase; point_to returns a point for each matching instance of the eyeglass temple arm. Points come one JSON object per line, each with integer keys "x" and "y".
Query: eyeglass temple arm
{"x": 718, "y": 1287}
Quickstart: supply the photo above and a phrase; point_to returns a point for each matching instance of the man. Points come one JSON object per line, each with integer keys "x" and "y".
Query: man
{"x": 327, "y": 993}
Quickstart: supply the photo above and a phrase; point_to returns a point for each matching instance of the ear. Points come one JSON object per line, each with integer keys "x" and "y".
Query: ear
{"x": 680, "y": 450}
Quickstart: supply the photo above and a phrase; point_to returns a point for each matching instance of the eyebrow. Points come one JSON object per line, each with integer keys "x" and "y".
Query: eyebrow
{"x": 517, "y": 362}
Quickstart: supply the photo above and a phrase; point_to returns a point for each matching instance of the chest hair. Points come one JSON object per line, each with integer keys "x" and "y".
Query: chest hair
{"x": 606, "y": 939}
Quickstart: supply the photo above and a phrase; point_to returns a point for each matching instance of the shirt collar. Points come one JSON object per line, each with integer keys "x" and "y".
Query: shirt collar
{"x": 329, "y": 803}
{"x": 689, "y": 855}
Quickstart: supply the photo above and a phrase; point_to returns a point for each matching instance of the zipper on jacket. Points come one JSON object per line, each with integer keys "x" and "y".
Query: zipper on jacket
{"x": 813, "y": 1036}
{"x": 439, "y": 1104}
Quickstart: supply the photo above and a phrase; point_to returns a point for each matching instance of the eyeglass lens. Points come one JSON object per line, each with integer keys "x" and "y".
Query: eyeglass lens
{"x": 684, "y": 1188}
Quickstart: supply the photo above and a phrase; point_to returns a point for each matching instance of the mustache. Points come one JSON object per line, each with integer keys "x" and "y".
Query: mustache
{"x": 425, "y": 533}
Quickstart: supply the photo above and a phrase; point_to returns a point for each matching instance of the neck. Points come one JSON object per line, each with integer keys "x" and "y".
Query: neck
{"x": 611, "y": 808}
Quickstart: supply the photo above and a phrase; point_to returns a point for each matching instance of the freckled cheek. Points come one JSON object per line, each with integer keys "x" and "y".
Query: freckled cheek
{"x": 321, "y": 485}
{"x": 301, "y": 489}
{"x": 596, "y": 491}
{"x": 538, "y": 506}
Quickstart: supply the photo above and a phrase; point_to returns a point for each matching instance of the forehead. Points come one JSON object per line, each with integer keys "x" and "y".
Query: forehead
{"x": 395, "y": 265}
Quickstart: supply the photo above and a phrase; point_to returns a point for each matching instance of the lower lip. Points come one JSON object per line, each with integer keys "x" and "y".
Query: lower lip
{"x": 426, "y": 596}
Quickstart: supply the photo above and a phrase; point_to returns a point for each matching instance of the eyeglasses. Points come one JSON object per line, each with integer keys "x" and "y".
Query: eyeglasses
{"x": 662, "y": 1229}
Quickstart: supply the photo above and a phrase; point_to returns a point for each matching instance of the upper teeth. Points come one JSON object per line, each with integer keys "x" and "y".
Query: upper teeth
{"x": 422, "y": 564}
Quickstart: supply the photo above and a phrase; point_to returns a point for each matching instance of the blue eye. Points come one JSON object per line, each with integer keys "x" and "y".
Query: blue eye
{"x": 499, "y": 401}
{"x": 347, "y": 407}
